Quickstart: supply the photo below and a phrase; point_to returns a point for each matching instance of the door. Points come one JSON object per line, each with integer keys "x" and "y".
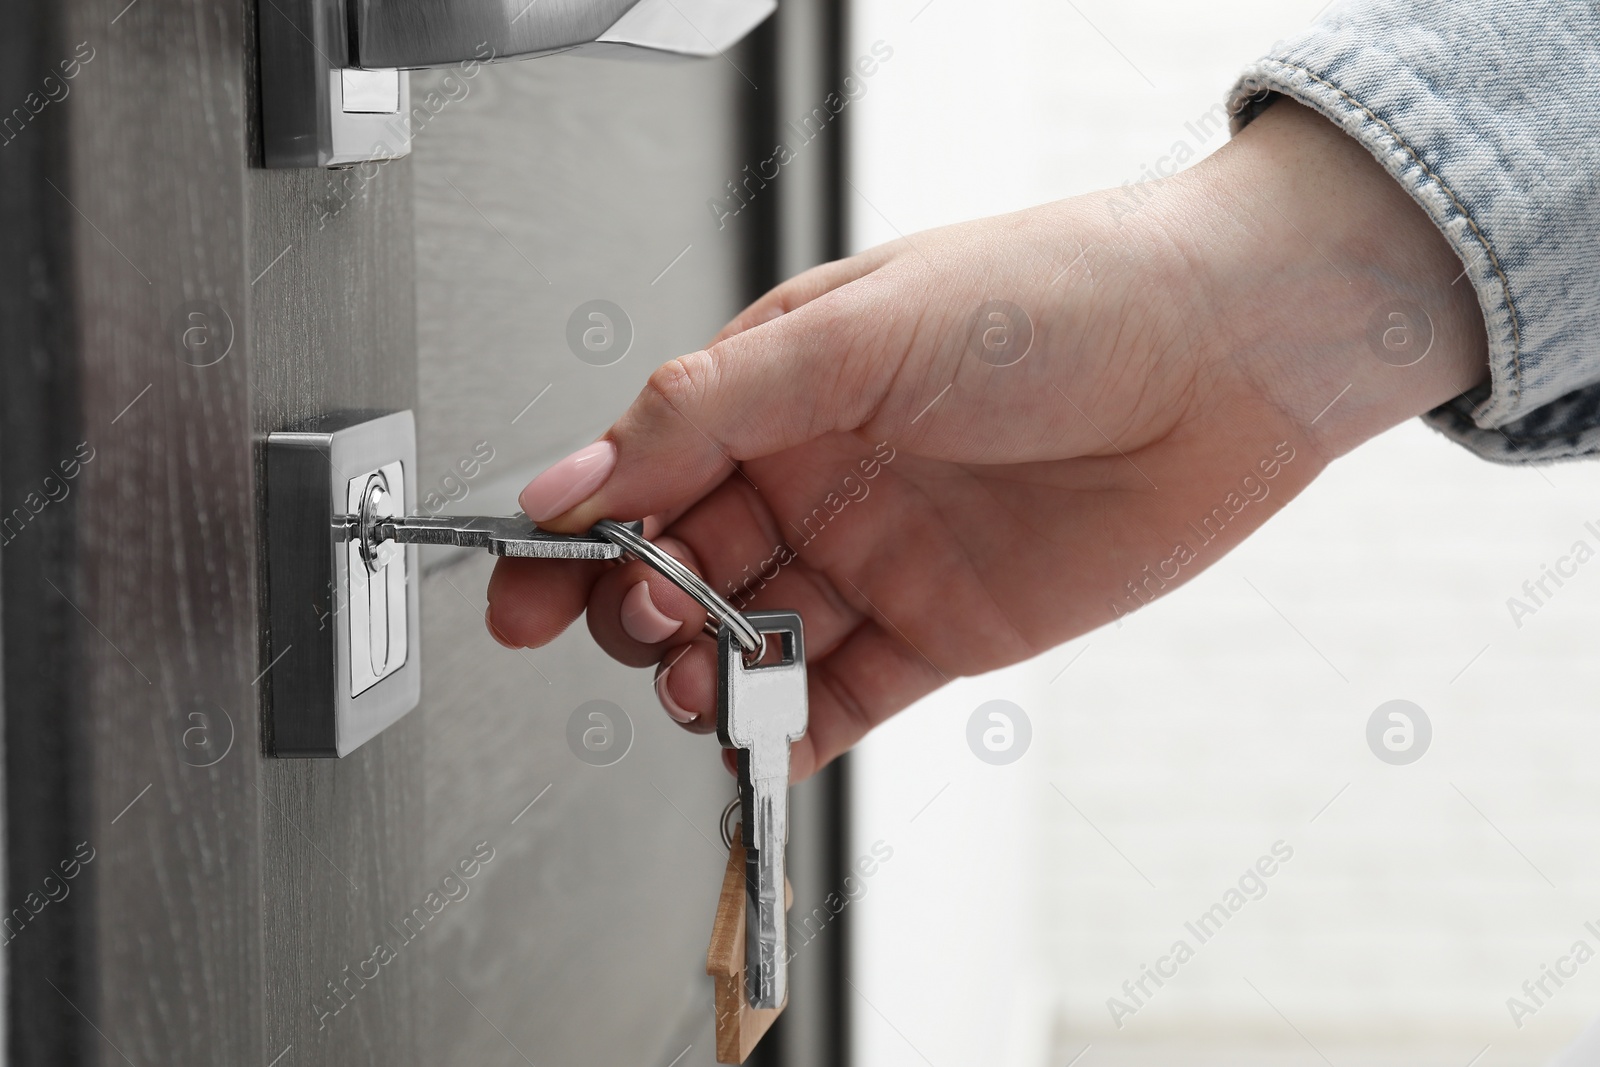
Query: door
{"x": 175, "y": 894}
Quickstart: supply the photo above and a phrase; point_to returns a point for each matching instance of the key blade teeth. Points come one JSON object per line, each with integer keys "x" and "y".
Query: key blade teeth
{"x": 502, "y": 535}
{"x": 766, "y": 927}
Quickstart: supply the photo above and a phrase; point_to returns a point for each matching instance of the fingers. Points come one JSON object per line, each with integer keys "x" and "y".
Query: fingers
{"x": 818, "y": 369}
{"x": 732, "y": 541}
{"x": 686, "y": 685}
{"x": 531, "y": 601}
{"x": 859, "y": 673}
{"x": 851, "y": 690}
{"x": 636, "y": 614}
{"x": 804, "y": 288}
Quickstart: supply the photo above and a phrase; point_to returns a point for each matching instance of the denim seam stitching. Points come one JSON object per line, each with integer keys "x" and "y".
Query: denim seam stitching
{"x": 1535, "y": 439}
{"x": 1494, "y": 261}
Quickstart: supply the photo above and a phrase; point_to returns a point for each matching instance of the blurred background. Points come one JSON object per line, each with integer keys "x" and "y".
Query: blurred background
{"x": 1170, "y": 753}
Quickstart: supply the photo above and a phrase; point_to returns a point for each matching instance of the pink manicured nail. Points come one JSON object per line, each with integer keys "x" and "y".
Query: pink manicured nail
{"x": 494, "y": 633}
{"x": 666, "y": 699}
{"x": 643, "y": 621}
{"x": 570, "y": 482}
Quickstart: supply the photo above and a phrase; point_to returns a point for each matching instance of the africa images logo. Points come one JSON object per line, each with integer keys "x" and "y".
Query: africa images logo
{"x": 999, "y": 732}
{"x": 1399, "y": 732}
{"x": 599, "y": 733}
{"x": 599, "y": 333}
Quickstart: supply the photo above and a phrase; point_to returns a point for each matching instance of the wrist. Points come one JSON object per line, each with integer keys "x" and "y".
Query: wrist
{"x": 1335, "y": 294}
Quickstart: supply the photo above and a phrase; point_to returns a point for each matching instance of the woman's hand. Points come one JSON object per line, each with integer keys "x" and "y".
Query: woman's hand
{"x": 956, "y": 451}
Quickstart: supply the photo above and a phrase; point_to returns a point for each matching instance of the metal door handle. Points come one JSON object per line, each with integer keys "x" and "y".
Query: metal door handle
{"x": 334, "y": 85}
{"x": 437, "y": 33}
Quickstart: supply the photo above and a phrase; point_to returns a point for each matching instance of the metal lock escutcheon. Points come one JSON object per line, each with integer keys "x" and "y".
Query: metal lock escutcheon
{"x": 343, "y": 573}
{"x": 345, "y": 618}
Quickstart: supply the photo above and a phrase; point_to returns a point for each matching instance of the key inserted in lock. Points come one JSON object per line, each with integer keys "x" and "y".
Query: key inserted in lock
{"x": 343, "y": 648}
{"x": 343, "y": 577}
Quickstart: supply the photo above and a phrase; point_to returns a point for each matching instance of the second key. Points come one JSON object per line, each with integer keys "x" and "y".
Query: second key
{"x": 762, "y": 709}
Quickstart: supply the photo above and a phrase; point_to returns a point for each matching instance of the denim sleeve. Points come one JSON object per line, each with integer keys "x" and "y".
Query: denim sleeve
{"x": 1489, "y": 114}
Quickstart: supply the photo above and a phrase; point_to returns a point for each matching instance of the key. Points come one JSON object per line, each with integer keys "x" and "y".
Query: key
{"x": 512, "y": 535}
{"x": 761, "y": 710}
{"x": 508, "y": 535}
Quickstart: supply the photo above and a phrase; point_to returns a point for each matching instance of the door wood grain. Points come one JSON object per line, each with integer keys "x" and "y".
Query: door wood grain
{"x": 164, "y": 304}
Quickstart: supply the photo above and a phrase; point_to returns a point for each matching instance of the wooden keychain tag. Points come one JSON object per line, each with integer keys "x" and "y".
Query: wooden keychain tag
{"x": 739, "y": 1026}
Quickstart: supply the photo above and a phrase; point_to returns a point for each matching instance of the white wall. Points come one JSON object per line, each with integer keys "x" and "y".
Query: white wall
{"x": 1211, "y": 726}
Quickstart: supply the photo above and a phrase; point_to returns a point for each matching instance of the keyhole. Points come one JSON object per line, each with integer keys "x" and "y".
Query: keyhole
{"x": 375, "y": 506}
{"x": 378, "y": 613}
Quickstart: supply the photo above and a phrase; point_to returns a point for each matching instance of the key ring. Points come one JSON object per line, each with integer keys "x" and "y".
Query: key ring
{"x": 684, "y": 579}
{"x": 727, "y": 831}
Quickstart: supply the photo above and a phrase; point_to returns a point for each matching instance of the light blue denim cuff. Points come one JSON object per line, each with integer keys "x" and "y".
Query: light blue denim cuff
{"x": 1489, "y": 114}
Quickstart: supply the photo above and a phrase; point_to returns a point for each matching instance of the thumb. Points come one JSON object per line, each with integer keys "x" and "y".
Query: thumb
{"x": 813, "y": 371}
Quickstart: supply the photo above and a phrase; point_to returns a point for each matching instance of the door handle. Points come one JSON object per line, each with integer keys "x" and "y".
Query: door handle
{"x": 437, "y": 33}
{"x": 335, "y": 91}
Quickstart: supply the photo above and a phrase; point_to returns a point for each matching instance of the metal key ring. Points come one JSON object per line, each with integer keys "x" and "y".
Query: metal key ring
{"x": 727, "y": 831}
{"x": 684, "y": 578}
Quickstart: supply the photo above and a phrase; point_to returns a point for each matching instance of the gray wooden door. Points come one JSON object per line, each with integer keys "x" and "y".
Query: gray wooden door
{"x": 174, "y": 894}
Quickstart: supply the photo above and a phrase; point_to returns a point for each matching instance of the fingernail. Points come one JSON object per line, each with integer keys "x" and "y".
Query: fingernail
{"x": 666, "y": 699}
{"x": 643, "y": 621}
{"x": 494, "y": 633}
{"x": 569, "y": 482}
